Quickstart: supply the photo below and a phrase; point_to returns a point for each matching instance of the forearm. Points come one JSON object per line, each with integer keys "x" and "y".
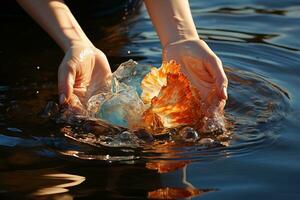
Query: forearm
{"x": 57, "y": 20}
{"x": 172, "y": 20}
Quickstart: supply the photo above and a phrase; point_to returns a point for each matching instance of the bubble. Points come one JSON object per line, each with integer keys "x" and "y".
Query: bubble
{"x": 188, "y": 134}
{"x": 125, "y": 136}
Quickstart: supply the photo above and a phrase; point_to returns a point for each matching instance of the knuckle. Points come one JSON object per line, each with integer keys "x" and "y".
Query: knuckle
{"x": 217, "y": 60}
{"x": 224, "y": 81}
{"x": 101, "y": 54}
{"x": 70, "y": 67}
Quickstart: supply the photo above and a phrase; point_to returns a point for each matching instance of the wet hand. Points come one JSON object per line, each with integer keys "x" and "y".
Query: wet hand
{"x": 202, "y": 67}
{"x": 83, "y": 72}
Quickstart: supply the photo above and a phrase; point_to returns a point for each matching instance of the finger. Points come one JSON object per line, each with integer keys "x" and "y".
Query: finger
{"x": 100, "y": 74}
{"x": 66, "y": 79}
{"x": 217, "y": 71}
{"x": 81, "y": 94}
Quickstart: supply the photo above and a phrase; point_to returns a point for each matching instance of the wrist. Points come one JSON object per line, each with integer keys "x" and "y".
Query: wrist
{"x": 69, "y": 32}
{"x": 187, "y": 35}
{"x": 185, "y": 42}
{"x": 76, "y": 42}
{"x": 83, "y": 42}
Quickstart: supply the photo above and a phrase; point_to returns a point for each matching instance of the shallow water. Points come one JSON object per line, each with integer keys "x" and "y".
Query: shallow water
{"x": 258, "y": 44}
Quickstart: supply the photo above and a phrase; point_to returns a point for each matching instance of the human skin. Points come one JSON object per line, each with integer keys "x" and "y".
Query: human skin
{"x": 175, "y": 27}
{"x": 85, "y": 70}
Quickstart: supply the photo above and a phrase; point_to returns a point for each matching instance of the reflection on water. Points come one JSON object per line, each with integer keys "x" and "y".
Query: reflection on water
{"x": 165, "y": 166}
{"x": 174, "y": 193}
{"x": 178, "y": 188}
{"x": 59, "y": 188}
{"x": 39, "y": 183}
{"x": 258, "y": 44}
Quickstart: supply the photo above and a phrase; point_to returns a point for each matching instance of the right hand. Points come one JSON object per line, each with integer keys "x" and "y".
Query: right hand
{"x": 83, "y": 72}
{"x": 204, "y": 70}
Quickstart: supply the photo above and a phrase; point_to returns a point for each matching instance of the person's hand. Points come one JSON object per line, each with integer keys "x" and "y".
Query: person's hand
{"x": 202, "y": 67}
{"x": 83, "y": 72}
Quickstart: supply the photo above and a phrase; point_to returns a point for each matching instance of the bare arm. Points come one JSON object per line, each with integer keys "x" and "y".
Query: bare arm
{"x": 84, "y": 69}
{"x": 175, "y": 27}
{"x": 57, "y": 20}
{"x": 172, "y": 20}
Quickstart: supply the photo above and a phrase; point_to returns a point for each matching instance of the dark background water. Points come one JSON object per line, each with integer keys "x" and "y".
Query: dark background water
{"x": 258, "y": 42}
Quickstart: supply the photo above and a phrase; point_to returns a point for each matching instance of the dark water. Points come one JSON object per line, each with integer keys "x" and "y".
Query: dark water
{"x": 258, "y": 42}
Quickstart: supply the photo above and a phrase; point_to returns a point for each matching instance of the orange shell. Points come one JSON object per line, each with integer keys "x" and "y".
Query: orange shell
{"x": 170, "y": 97}
{"x": 151, "y": 121}
{"x": 152, "y": 82}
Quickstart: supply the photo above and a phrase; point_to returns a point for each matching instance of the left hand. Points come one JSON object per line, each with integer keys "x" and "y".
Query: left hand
{"x": 202, "y": 67}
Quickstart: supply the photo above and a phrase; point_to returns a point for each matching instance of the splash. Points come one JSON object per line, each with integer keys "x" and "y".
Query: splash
{"x": 145, "y": 97}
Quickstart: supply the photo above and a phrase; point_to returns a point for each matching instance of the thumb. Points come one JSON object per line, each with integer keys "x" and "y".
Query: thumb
{"x": 66, "y": 80}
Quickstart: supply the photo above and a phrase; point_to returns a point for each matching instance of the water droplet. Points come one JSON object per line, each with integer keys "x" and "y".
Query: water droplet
{"x": 188, "y": 134}
{"x": 125, "y": 136}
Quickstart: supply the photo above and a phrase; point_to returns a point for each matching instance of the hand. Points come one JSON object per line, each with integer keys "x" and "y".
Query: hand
{"x": 83, "y": 72}
{"x": 202, "y": 67}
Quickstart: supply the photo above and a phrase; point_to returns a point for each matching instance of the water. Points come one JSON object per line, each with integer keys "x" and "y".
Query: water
{"x": 257, "y": 42}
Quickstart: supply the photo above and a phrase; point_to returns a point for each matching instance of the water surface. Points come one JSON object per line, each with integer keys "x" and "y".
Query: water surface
{"x": 258, "y": 43}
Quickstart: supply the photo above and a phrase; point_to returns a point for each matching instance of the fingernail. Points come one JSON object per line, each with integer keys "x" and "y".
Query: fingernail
{"x": 224, "y": 90}
{"x": 62, "y": 99}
